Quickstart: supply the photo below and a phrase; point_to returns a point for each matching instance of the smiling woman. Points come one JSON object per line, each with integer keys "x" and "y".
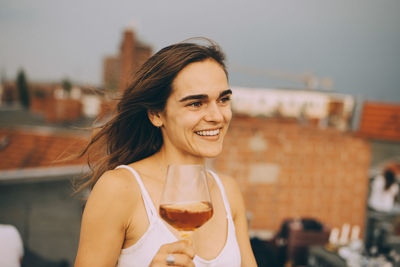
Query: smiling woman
{"x": 197, "y": 113}
{"x": 177, "y": 111}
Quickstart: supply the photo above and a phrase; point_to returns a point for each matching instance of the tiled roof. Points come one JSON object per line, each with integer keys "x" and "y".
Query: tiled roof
{"x": 21, "y": 148}
{"x": 380, "y": 121}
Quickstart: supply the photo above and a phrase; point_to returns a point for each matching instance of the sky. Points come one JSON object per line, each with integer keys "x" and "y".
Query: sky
{"x": 354, "y": 43}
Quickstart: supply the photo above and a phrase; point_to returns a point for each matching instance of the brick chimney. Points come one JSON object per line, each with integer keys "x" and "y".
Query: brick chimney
{"x": 127, "y": 58}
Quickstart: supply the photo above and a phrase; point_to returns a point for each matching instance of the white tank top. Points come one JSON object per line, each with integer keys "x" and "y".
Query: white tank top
{"x": 142, "y": 252}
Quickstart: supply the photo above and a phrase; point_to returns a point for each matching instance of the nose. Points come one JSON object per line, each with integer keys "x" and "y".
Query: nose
{"x": 214, "y": 113}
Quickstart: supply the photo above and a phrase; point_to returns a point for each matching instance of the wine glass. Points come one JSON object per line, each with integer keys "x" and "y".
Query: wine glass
{"x": 185, "y": 203}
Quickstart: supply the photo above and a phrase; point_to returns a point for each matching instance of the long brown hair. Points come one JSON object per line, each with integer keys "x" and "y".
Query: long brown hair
{"x": 130, "y": 136}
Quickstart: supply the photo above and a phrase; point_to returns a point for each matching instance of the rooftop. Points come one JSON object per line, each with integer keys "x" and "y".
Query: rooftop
{"x": 17, "y": 116}
{"x": 380, "y": 121}
{"x": 22, "y": 148}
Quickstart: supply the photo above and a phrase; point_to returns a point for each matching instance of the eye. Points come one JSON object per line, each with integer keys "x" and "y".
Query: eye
{"x": 225, "y": 99}
{"x": 195, "y": 104}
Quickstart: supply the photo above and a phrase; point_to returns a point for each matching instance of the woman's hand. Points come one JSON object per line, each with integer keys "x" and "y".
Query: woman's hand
{"x": 182, "y": 254}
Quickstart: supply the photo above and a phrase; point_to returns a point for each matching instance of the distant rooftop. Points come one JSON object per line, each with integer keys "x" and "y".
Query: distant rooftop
{"x": 326, "y": 108}
{"x": 16, "y": 117}
{"x": 38, "y": 147}
{"x": 380, "y": 121}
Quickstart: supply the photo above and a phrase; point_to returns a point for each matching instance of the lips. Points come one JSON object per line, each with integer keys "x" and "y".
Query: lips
{"x": 208, "y": 132}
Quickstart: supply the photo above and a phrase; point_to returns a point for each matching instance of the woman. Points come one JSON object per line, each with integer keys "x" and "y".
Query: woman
{"x": 384, "y": 191}
{"x": 177, "y": 110}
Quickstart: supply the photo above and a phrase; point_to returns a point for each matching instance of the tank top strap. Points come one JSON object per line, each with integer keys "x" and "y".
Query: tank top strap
{"x": 222, "y": 190}
{"x": 148, "y": 203}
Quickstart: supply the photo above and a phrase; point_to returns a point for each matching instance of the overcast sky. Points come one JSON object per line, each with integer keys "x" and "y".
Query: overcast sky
{"x": 356, "y": 43}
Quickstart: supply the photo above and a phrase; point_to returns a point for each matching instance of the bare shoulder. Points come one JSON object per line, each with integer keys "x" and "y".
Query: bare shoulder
{"x": 233, "y": 193}
{"x": 118, "y": 182}
{"x": 230, "y": 184}
{"x": 115, "y": 190}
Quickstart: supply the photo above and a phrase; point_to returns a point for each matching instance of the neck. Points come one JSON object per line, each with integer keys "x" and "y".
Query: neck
{"x": 166, "y": 158}
{"x": 162, "y": 159}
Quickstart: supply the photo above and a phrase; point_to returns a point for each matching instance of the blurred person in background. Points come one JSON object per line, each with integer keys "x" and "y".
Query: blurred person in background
{"x": 384, "y": 191}
{"x": 177, "y": 111}
{"x": 11, "y": 246}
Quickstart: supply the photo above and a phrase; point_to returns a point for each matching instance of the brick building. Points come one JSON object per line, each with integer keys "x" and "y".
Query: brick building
{"x": 118, "y": 70}
{"x": 57, "y": 105}
{"x": 289, "y": 170}
{"x": 22, "y": 148}
{"x": 296, "y": 156}
{"x": 380, "y": 121}
{"x": 380, "y": 124}
{"x": 8, "y": 94}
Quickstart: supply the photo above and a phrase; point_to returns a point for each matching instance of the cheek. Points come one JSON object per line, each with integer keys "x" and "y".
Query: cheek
{"x": 182, "y": 126}
{"x": 228, "y": 114}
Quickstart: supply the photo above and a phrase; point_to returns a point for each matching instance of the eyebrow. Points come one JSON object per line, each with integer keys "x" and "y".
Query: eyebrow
{"x": 192, "y": 97}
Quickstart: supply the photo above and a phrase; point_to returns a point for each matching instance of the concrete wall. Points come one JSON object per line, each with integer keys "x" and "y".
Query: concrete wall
{"x": 384, "y": 152}
{"x": 46, "y": 214}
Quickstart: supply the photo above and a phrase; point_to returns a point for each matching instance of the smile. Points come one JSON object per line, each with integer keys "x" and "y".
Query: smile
{"x": 208, "y": 133}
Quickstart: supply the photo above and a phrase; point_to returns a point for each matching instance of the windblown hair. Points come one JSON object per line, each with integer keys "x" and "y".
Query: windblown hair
{"x": 389, "y": 178}
{"x": 130, "y": 136}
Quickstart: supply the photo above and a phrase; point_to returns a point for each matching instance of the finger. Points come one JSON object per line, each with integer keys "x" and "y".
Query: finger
{"x": 179, "y": 247}
{"x": 181, "y": 260}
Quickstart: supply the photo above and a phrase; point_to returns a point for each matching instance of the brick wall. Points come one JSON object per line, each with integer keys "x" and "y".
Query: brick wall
{"x": 39, "y": 104}
{"x": 111, "y": 71}
{"x": 143, "y": 52}
{"x": 127, "y": 56}
{"x": 286, "y": 169}
{"x": 119, "y": 70}
{"x": 57, "y": 110}
{"x": 107, "y": 108}
{"x": 32, "y": 149}
{"x": 380, "y": 121}
{"x": 10, "y": 94}
{"x": 64, "y": 110}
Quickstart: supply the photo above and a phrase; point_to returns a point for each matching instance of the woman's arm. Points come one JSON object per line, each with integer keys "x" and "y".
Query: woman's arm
{"x": 106, "y": 218}
{"x": 239, "y": 218}
{"x": 104, "y": 221}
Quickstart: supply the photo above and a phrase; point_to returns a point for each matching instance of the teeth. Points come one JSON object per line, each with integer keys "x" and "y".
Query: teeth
{"x": 208, "y": 133}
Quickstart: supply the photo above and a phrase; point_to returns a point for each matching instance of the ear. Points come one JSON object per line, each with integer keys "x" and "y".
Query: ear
{"x": 155, "y": 118}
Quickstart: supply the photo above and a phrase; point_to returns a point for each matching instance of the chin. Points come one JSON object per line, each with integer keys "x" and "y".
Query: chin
{"x": 211, "y": 153}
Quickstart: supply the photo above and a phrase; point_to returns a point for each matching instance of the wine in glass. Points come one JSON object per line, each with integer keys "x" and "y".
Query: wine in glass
{"x": 185, "y": 202}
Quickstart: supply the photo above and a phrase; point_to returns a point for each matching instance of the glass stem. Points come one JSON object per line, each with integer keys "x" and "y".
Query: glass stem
{"x": 186, "y": 234}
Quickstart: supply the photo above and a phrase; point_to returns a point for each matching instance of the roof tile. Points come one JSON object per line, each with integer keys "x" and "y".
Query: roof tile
{"x": 380, "y": 121}
{"x": 27, "y": 148}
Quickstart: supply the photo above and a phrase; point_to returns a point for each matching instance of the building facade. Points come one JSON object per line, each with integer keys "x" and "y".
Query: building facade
{"x": 118, "y": 70}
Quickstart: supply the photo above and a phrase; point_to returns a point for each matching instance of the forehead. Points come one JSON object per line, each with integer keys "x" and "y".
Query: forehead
{"x": 204, "y": 77}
